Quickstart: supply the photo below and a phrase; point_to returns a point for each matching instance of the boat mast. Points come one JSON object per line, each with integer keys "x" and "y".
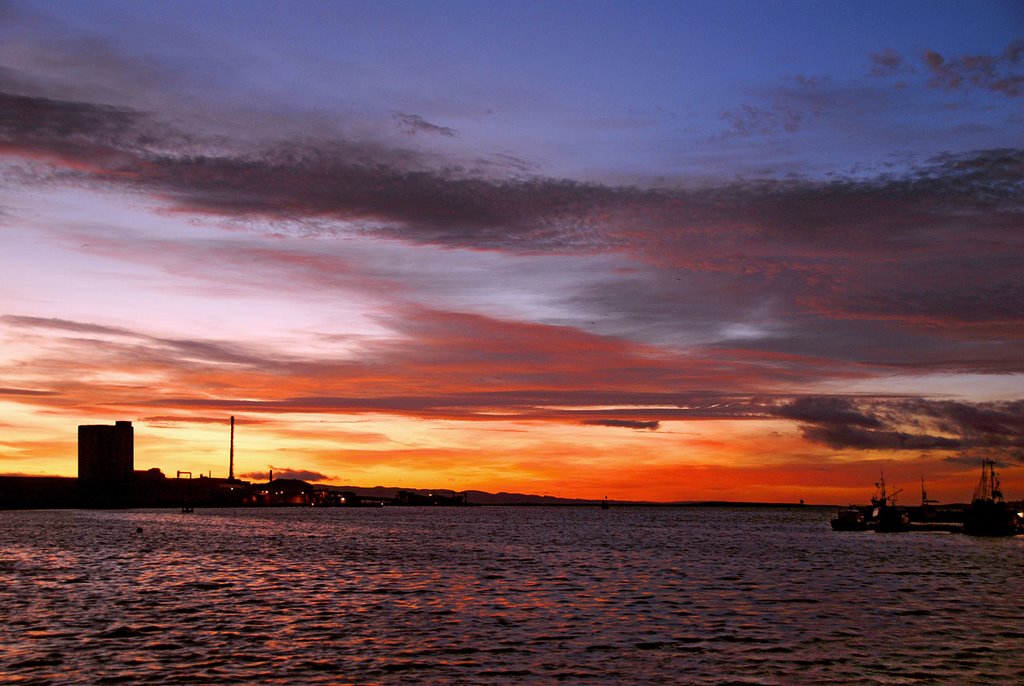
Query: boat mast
{"x": 989, "y": 487}
{"x": 925, "y": 500}
{"x": 882, "y": 495}
{"x": 879, "y": 497}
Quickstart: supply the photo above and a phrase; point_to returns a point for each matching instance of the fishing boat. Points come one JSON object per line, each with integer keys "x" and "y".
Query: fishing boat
{"x": 850, "y": 519}
{"x": 989, "y": 514}
{"x": 886, "y": 517}
{"x": 881, "y": 515}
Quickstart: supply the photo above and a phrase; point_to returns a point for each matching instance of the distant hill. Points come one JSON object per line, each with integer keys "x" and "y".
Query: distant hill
{"x": 505, "y": 498}
{"x": 474, "y": 497}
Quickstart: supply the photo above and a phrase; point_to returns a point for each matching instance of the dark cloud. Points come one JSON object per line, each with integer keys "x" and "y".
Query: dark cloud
{"x": 907, "y": 423}
{"x": 990, "y": 424}
{"x": 839, "y": 437}
{"x": 972, "y": 458}
{"x": 749, "y": 120}
{"x": 886, "y": 62}
{"x": 624, "y": 423}
{"x": 428, "y": 206}
{"x": 25, "y": 392}
{"x": 1000, "y": 297}
{"x": 999, "y": 73}
{"x": 412, "y": 124}
{"x": 56, "y": 125}
{"x": 287, "y": 473}
{"x": 348, "y": 181}
{"x": 171, "y": 421}
{"x": 812, "y": 81}
{"x": 828, "y": 410}
{"x": 127, "y": 348}
{"x": 63, "y": 325}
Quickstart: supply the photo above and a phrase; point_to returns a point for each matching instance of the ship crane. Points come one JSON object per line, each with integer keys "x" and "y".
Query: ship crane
{"x": 925, "y": 500}
{"x": 883, "y": 496}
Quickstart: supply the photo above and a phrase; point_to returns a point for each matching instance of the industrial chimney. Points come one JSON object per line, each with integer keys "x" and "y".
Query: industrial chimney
{"x": 231, "y": 459}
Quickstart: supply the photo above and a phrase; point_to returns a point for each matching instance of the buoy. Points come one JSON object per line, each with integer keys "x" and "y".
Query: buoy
{"x": 138, "y": 529}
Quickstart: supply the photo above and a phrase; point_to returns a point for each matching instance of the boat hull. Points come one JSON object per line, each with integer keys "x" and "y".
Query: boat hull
{"x": 989, "y": 518}
{"x": 849, "y": 519}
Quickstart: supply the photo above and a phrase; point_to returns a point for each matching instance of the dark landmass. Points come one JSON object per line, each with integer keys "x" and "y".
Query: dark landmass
{"x": 505, "y": 498}
{"x": 472, "y": 497}
{"x": 151, "y": 489}
{"x": 38, "y": 492}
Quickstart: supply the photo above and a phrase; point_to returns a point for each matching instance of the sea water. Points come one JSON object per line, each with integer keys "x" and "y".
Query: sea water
{"x": 480, "y": 595}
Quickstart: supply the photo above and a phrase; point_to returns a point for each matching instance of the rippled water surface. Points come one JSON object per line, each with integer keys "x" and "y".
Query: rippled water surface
{"x": 501, "y": 595}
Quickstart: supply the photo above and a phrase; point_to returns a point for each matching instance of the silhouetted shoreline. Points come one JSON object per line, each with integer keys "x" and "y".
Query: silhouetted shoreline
{"x": 151, "y": 491}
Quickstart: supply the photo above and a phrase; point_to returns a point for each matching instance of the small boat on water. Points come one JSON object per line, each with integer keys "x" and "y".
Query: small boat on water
{"x": 850, "y": 519}
{"x": 882, "y": 515}
{"x": 989, "y": 514}
{"x": 886, "y": 517}
{"x": 889, "y": 519}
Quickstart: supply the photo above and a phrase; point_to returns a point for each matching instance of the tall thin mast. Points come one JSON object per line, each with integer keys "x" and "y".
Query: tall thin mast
{"x": 231, "y": 459}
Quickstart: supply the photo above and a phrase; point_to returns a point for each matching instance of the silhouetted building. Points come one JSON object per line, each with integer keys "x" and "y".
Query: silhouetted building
{"x": 106, "y": 463}
{"x": 106, "y": 453}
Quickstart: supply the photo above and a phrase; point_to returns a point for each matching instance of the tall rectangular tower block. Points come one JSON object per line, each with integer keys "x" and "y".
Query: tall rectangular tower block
{"x": 106, "y": 454}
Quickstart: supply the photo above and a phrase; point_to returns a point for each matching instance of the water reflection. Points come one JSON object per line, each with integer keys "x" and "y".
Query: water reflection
{"x": 496, "y": 595}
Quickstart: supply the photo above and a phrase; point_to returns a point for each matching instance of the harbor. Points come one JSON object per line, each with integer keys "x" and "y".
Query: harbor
{"x": 988, "y": 513}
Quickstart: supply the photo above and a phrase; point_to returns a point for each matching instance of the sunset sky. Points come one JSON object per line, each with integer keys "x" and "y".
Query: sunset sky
{"x": 649, "y": 250}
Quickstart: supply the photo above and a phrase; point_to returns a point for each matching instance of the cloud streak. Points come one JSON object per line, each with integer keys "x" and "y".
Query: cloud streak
{"x": 287, "y": 473}
{"x": 413, "y": 124}
{"x": 907, "y": 423}
{"x": 624, "y": 423}
{"x": 353, "y": 181}
{"x": 480, "y": 388}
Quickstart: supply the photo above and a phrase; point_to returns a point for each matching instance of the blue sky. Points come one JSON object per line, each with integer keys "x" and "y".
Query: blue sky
{"x": 586, "y": 89}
